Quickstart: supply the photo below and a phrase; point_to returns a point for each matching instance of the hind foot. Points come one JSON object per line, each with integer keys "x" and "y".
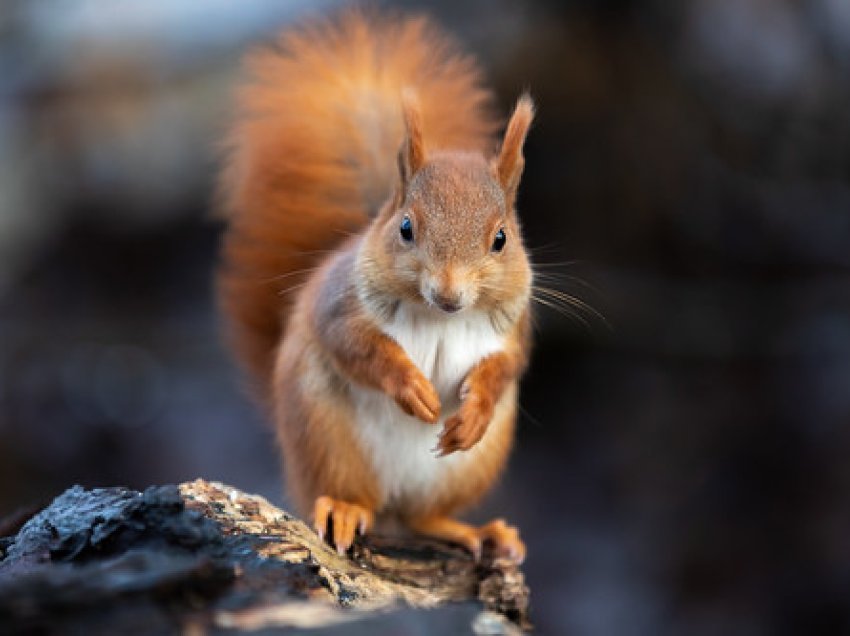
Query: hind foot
{"x": 347, "y": 519}
{"x": 503, "y": 538}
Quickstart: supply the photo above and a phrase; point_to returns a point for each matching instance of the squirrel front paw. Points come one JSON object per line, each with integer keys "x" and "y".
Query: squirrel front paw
{"x": 415, "y": 395}
{"x": 464, "y": 429}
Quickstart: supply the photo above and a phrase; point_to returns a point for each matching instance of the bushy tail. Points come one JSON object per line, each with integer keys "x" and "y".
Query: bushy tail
{"x": 312, "y": 154}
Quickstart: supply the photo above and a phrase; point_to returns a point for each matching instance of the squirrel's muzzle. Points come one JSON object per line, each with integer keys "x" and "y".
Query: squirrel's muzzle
{"x": 446, "y": 290}
{"x": 447, "y": 303}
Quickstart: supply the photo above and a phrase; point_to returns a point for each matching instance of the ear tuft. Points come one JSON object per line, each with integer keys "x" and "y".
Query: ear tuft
{"x": 510, "y": 162}
{"x": 412, "y": 153}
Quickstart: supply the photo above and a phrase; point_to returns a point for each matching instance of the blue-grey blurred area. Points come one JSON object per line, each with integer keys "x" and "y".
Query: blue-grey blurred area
{"x": 681, "y": 470}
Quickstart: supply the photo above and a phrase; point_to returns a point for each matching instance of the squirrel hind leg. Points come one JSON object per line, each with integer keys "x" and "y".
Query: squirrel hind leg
{"x": 504, "y": 539}
{"x": 346, "y": 519}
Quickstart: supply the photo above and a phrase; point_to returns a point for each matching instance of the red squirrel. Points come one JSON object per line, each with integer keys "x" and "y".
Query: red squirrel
{"x": 374, "y": 278}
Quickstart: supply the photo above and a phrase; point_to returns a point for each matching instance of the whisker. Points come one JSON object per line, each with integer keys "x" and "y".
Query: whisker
{"x": 561, "y": 277}
{"x": 284, "y": 292}
{"x": 530, "y": 417}
{"x": 547, "y": 247}
{"x": 314, "y": 252}
{"x": 556, "y": 264}
{"x": 296, "y": 272}
{"x": 572, "y": 301}
{"x": 569, "y": 299}
{"x": 564, "y": 311}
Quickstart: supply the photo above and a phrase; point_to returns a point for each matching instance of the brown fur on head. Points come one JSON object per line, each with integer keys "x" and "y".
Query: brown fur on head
{"x": 453, "y": 205}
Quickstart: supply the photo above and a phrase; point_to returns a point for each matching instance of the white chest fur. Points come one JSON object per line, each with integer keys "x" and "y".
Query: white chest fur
{"x": 400, "y": 447}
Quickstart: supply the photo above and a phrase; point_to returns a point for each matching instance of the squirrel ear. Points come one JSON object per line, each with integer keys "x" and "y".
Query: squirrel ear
{"x": 509, "y": 162}
{"x": 411, "y": 156}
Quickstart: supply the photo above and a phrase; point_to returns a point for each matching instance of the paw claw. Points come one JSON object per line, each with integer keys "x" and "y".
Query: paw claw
{"x": 348, "y": 519}
{"x": 465, "y": 428}
{"x": 416, "y": 396}
{"x": 475, "y": 549}
{"x": 505, "y": 540}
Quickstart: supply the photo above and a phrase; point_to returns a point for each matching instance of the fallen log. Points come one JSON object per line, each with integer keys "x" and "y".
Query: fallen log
{"x": 203, "y": 557}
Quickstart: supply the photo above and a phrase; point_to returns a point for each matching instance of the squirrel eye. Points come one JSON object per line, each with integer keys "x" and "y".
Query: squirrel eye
{"x": 499, "y": 241}
{"x": 406, "y": 229}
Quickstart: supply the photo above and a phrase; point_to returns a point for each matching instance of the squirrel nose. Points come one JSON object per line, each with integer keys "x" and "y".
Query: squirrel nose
{"x": 449, "y": 304}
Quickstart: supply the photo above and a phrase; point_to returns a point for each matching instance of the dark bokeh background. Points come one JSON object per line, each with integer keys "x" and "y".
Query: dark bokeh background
{"x": 685, "y": 471}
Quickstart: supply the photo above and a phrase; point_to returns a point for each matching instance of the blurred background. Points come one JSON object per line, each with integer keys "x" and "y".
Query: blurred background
{"x": 683, "y": 472}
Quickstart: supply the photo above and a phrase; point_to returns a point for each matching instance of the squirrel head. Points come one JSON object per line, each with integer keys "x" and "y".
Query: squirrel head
{"x": 450, "y": 238}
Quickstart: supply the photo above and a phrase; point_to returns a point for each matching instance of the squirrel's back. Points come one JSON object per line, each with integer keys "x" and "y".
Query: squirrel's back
{"x": 312, "y": 154}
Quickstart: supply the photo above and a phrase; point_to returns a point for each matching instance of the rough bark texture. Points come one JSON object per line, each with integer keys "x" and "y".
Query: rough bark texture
{"x": 203, "y": 557}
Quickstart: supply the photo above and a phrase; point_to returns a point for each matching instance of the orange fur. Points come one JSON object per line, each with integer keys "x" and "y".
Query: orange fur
{"x": 349, "y": 126}
{"x": 311, "y": 154}
{"x": 510, "y": 161}
{"x": 503, "y": 537}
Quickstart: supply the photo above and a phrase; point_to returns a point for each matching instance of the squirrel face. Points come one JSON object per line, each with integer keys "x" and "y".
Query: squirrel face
{"x": 453, "y": 237}
{"x": 449, "y": 239}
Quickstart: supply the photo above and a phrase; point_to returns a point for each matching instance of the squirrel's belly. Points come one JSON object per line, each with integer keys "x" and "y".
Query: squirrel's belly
{"x": 400, "y": 447}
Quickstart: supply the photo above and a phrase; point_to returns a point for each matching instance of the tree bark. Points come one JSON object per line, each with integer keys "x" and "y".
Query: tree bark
{"x": 203, "y": 557}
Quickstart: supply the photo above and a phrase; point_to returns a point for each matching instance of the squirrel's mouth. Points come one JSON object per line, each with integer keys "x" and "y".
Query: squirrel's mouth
{"x": 447, "y": 300}
{"x": 445, "y": 304}
{"x": 448, "y": 306}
